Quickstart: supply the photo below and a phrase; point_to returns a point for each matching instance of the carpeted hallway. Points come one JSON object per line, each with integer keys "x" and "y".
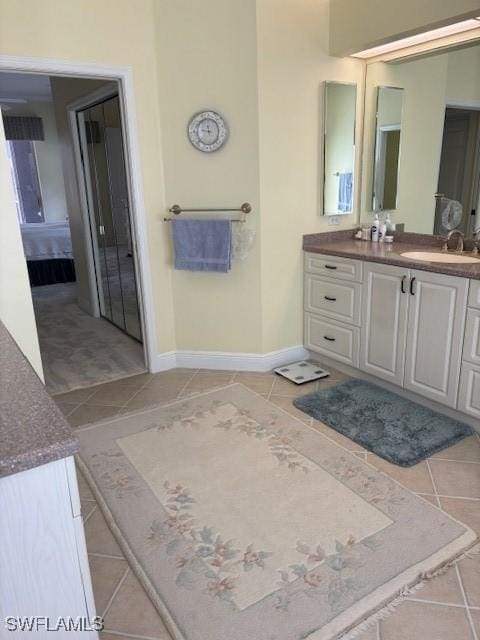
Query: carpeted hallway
{"x": 79, "y": 350}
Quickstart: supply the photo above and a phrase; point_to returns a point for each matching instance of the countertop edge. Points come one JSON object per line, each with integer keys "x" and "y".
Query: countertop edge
{"x": 26, "y": 461}
{"x": 394, "y": 259}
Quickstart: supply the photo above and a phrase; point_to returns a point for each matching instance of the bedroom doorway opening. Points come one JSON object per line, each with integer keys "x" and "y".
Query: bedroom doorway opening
{"x": 74, "y": 204}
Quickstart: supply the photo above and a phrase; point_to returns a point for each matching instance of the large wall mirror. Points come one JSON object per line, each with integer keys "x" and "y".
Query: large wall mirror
{"x": 421, "y": 159}
{"x": 339, "y": 147}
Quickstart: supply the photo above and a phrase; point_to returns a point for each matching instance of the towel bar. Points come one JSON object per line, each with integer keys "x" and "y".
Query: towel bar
{"x": 177, "y": 210}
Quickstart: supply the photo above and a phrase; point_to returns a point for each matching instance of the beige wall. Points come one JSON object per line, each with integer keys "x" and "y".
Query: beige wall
{"x": 263, "y": 68}
{"x": 357, "y": 25}
{"x": 49, "y": 160}
{"x": 292, "y": 64}
{"x": 118, "y": 32}
{"x": 16, "y": 308}
{"x": 206, "y": 55}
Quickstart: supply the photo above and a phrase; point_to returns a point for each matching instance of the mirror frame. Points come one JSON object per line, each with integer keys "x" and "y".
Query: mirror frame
{"x": 325, "y": 85}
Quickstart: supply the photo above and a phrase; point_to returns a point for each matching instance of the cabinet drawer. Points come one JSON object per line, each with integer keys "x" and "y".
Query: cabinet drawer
{"x": 336, "y": 299}
{"x": 333, "y": 339}
{"x": 469, "y": 392}
{"x": 474, "y": 294}
{"x": 471, "y": 345}
{"x": 333, "y": 267}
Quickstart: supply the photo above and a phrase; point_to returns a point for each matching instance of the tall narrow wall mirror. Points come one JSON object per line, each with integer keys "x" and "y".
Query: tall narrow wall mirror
{"x": 339, "y": 147}
{"x": 387, "y": 148}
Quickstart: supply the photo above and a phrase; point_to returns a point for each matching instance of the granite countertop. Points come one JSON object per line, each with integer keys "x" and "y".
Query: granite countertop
{"x": 33, "y": 431}
{"x": 343, "y": 244}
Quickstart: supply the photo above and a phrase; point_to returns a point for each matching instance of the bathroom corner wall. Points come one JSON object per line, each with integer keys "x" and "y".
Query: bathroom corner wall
{"x": 293, "y": 62}
{"x": 207, "y": 59}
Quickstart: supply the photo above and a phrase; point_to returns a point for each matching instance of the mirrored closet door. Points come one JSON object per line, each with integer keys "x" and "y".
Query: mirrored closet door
{"x": 100, "y": 129}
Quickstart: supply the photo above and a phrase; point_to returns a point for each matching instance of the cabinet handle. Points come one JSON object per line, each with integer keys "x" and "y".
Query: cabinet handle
{"x": 402, "y": 284}
{"x": 329, "y": 339}
{"x": 329, "y": 266}
{"x": 412, "y": 292}
{"x": 330, "y": 299}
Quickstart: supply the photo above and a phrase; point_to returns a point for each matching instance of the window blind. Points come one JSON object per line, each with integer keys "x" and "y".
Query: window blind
{"x": 23, "y": 128}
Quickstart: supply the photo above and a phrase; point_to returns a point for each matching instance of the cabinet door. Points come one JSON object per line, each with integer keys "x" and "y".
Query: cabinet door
{"x": 384, "y": 319}
{"x": 436, "y": 321}
{"x": 469, "y": 392}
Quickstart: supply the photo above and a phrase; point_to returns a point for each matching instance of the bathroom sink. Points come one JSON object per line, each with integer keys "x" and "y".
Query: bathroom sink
{"x": 437, "y": 256}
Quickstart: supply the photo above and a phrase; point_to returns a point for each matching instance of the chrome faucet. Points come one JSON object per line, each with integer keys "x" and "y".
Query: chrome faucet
{"x": 461, "y": 239}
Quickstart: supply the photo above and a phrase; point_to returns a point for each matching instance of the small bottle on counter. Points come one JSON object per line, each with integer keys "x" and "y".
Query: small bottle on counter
{"x": 375, "y": 226}
{"x": 382, "y": 231}
{"x": 366, "y": 232}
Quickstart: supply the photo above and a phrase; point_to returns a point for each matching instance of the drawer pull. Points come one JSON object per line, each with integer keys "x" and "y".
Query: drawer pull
{"x": 329, "y": 339}
{"x": 330, "y": 266}
{"x": 330, "y": 299}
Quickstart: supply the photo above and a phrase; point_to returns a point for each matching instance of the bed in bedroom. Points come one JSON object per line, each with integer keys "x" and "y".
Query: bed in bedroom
{"x": 48, "y": 251}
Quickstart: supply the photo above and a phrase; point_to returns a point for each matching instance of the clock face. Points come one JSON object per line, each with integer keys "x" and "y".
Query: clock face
{"x": 207, "y": 131}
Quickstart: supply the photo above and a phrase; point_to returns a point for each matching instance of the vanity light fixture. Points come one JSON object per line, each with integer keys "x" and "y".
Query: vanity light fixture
{"x": 419, "y": 39}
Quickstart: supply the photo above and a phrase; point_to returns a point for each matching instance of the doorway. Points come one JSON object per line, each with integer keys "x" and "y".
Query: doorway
{"x": 458, "y": 181}
{"x": 79, "y": 347}
{"x": 99, "y": 128}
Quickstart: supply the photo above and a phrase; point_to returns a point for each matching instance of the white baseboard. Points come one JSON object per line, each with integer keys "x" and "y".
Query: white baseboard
{"x": 231, "y": 361}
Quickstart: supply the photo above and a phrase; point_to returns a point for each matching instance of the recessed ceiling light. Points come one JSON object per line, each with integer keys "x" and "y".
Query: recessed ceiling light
{"x": 420, "y": 38}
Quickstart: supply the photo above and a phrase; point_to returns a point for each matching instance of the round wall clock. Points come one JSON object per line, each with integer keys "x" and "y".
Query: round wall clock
{"x": 207, "y": 131}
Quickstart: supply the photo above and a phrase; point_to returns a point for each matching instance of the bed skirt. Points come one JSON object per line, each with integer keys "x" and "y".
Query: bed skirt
{"x": 41, "y": 272}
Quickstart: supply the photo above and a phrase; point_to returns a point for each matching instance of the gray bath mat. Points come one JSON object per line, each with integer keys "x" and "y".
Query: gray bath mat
{"x": 396, "y": 429}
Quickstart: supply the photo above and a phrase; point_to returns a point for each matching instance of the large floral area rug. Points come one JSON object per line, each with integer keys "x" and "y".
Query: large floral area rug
{"x": 245, "y": 524}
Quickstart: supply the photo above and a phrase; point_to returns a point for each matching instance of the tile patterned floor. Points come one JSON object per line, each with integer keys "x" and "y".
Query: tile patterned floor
{"x": 447, "y": 608}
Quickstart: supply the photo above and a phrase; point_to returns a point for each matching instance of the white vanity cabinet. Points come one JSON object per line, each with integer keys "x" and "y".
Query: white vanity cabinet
{"x": 384, "y": 322}
{"x": 43, "y": 556}
{"x": 332, "y": 295}
{"x": 410, "y": 332}
{"x": 469, "y": 392}
{"x": 436, "y": 320}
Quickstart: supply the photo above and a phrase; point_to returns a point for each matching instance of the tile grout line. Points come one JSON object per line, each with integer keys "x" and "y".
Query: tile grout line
{"x": 269, "y": 395}
{"x": 115, "y": 591}
{"x": 106, "y": 405}
{"x": 442, "y": 495}
{"x": 467, "y": 608}
{"x": 135, "y": 394}
{"x": 436, "y": 603}
{"x": 106, "y": 555}
{"x": 192, "y": 377}
{"x": 457, "y": 461}
{"x": 439, "y": 504}
{"x": 129, "y": 635}
{"x": 90, "y": 513}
